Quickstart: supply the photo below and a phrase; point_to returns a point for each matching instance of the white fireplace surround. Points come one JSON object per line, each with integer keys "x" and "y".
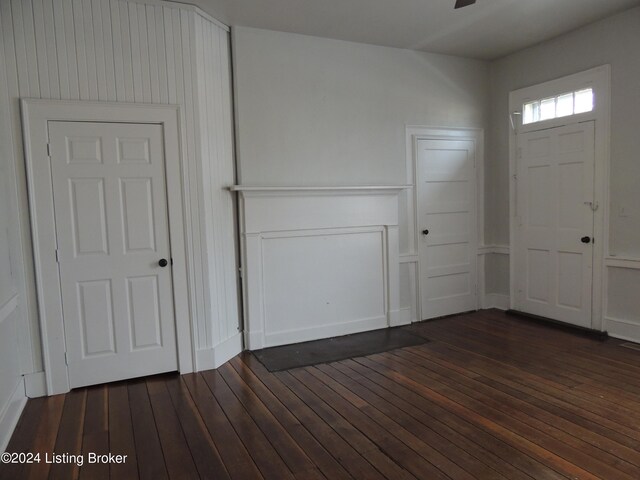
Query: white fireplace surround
{"x": 318, "y": 262}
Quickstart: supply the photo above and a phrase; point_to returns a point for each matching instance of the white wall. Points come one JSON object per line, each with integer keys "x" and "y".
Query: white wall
{"x": 313, "y": 111}
{"x": 613, "y": 41}
{"x": 126, "y": 51}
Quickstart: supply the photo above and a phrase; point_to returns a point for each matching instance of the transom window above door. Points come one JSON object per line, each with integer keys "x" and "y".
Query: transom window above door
{"x": 563, "y": 105}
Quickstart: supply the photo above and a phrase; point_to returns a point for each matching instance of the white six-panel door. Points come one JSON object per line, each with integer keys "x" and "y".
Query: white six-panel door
{"x": 446, "y": 194}
{"x": 111, "y": 219}
{"x": 554, "y": 223}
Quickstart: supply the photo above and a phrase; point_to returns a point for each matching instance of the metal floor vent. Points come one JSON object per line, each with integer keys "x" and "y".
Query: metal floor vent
{"x": 632, "y": 346}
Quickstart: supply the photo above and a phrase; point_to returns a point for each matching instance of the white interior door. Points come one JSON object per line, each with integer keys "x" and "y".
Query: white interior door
{"x": 111, "y": 219}
{"x": 446, "y": 189}
{"x": 554, "y": 223}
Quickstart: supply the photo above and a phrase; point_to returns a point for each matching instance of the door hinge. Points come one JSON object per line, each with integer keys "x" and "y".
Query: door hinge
{"x": 66, "y": 358}
{"x": 48, "y": 149}
{"x": 57, "y": 256}
{"x": 241, "y": 273}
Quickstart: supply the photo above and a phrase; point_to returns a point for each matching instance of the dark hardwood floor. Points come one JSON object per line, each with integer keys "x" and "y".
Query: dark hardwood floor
{"x": 490, "y": 397}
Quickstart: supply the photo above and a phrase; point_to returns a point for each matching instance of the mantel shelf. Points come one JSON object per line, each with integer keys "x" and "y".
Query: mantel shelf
{"x": 324, "y": 188}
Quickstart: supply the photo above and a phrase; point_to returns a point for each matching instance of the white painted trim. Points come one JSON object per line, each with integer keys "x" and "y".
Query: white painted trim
{"x": 409, "y": 259}
{"x": 494, "y": 249}
{"x": 10, "y": 414}
{"x": 183, "y": 6}
{"x": 624, "y": 329}
{"x": 9, "y": 307}
{"x": 326, "y": 331}
{"x": 35, "y": 384}
{"x": 221, "y": 353}
{"x": 414, "y": 133}
{"x": 36, "y": 115}
{"x": 496, "y": 300}
{"x": 599, "y": 79}
{"x": 623, "y": 262}
{"x": 405, "y": 316}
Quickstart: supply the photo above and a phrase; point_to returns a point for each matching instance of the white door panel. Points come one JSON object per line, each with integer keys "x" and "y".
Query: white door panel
{"x": 446, "y": 181}
{"x": 112, "y": 229}
{"x": 555, "y": 188}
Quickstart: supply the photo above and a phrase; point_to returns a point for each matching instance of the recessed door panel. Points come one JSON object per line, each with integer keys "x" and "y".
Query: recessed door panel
{"x": 144, "y": 312}
{"x": 88, "y": 216}
{"x": 137, "y": 208}
{"x": 95, "y": 304}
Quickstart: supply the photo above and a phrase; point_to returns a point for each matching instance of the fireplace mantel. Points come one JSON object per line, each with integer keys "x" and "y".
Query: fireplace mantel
{"x": 318, "y": 261}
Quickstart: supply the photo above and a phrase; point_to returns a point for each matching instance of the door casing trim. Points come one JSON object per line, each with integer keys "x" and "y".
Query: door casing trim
{"x": 36, "y": 114}
{"x": 599, "y": 79}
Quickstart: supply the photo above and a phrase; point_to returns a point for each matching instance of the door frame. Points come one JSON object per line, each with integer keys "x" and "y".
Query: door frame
{"x": 599, "y": 79}
{"x": 36, "y": 114}
{"x": 415, "y": 133}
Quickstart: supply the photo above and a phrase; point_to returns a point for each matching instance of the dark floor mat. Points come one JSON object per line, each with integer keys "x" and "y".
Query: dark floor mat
{"x": 305, "y": 354}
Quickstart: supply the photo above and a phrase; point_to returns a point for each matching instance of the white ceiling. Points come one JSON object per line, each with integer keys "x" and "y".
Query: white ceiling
{"x": 487, "y": 30}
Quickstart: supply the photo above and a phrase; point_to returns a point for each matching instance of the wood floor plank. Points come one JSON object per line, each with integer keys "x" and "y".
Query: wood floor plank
{"x": 236, "y": 459}
{"x": 327, "y": 464}
{"x": 596, "y": 409}
{"x": 293, "y": 456}
{"x": 503, "y": 450}
{"x": 595, "y": 454}
{"x": 489, "y": 397}
{"x": 442, "y": 444}
{"x": 540, "y": 439}
{"x": 559, "y": 403}
{"x": 69, "y": 439}
{"x": 203, "y": 450}
{"x": 95, "y": 435}
{"x": 121, "y": 439}
{"x": 349, "y": 457}
{"x": 425, "y": 422}
{"x": 151, "y": 463}
{"x": 350, "y": 432}
{"x": 264, "y": 455}
{"x": 414, "y": 455}
{"x": 43, "y": 437}
{"x": 177, "y": 456}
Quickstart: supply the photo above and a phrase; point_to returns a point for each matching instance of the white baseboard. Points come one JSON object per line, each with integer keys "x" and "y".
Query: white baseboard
{"x": 35, "y": 385}
{"x": 221, "y": 353}
{"x": 623, "y": 329}
{"x": 10, "y": 414}
{"x": 497, "y": 300}
{"x": 405, "y": 316}
{"x": 325, "y": 331}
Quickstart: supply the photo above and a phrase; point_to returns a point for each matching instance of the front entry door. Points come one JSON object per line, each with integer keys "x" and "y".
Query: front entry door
{"x": 446, "y": 189}
{"x": 111, "y": 218}
{"x": 554, "y": 223}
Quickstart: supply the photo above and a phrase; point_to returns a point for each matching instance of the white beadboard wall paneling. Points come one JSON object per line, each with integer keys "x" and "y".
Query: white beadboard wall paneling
{"x": 11, "y": 148}
{"x": 133, "y": 51}
{"x": 218, "y": 172}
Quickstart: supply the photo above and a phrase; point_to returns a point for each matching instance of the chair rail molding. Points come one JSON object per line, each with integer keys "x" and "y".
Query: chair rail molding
{"x": 318, "y": 261}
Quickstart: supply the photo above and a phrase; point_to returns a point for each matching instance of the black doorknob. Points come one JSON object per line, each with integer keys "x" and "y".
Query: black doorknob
{"x": 163, "y": 262}
{"x": 425, "y": 232}
{"x": 585, "y": 239}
